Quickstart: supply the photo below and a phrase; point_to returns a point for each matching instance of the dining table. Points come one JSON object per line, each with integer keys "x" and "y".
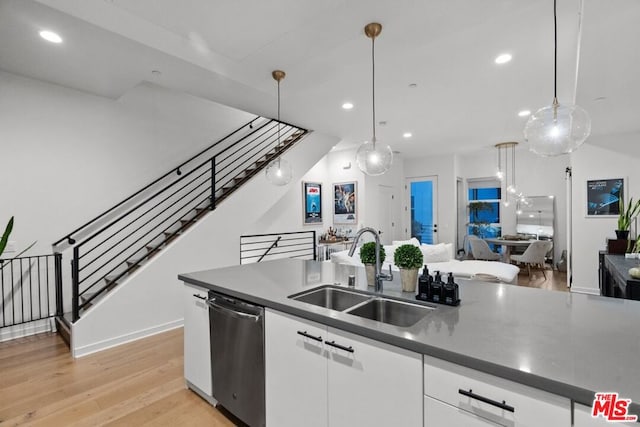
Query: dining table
{"x": 507, "y": 245}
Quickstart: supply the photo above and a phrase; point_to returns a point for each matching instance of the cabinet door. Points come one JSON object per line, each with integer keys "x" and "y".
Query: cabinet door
{"x": 582, "y": 418}
{"x": 197, "y": 350}
{"x": 372, "y": 383}
{"x": 438, "y": 414}
{"x": 296, "y": 371}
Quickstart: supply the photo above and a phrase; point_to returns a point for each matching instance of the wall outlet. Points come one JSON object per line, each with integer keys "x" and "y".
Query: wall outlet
{"x": 11, "y": 246}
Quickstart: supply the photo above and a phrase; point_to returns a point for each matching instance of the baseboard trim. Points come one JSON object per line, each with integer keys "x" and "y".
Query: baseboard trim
{"x": 197, "y": 390}
{"x": 589, "y": 291}
{"x": 26, "y": 329}
{"x": 88, "y": 349}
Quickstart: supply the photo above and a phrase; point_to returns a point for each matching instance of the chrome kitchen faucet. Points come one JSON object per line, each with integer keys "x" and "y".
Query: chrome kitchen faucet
{"x": 380, "y": 276}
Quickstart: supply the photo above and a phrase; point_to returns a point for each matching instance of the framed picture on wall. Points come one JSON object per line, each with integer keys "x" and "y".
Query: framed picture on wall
{"x": 603, "y": 197}
{"x": 312, "y": 200}
{"x": 345, "y": 200}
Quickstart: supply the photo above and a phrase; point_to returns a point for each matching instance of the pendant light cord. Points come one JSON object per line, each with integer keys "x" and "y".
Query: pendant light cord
{"x": 278, "y": 121}
{"x": 373, "y": 88}
{"x": 555, "y": 54}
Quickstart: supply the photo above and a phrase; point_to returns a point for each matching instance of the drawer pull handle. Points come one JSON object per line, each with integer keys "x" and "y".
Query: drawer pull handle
{"x": 501, "y": 405}
{"x": 305, "y": 334}
{"x": 199, "y": 297}
{"x": 341, "y": 347}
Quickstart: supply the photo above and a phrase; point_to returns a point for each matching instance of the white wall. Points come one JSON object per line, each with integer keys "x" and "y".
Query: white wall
{"x": 535, "y": 176}
{"x": 590, "y": 234}
{"x": 150, "y": 301}
{"x": 68, "y": 155}
{"x": 444, "y": 167}
{"x": 286, "y": 214}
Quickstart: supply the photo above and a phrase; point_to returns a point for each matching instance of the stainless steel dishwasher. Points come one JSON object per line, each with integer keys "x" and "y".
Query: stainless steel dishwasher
{"x": 237, "y": 357}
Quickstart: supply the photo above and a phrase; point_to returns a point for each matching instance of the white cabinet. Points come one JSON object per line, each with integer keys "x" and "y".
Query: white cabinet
{"x": 321, "y": 376}
{"x": 197, "y": 349}
{"x": 582, "y": 418}
{"x": 494, "y": 399}
{"x": 372, "y": 383}
{"x": 438, "y": 414}
{"x": 296, "y": 371}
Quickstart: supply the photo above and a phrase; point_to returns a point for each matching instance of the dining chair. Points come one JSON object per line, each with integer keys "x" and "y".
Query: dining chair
{"x": 534, "y": 255}
{"x": 481, "y": 250}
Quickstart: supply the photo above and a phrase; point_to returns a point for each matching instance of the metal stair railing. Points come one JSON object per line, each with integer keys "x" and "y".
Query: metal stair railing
{"x": 117, "y": 242}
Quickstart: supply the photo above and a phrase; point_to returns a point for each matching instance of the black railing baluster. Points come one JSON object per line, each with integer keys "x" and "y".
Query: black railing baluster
{"x": 213, "y": 183}
{"x": 75, "y": 290}
{"x": 21, "y": 291}
{"x": 315, "y": 247}
{"x": 4, "y": 310}
{"x": 58, "y": 279}
{"x": 40, "y": 288}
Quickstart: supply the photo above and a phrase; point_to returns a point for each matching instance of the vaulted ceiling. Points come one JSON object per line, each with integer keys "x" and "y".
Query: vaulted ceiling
{"x": 435, "y": 70}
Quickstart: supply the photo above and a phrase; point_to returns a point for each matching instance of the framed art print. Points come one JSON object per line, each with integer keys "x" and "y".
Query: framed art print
{"x": 312, "y": 199}
{"x": 603, "y": 197}
{"x": 345, "y": 200}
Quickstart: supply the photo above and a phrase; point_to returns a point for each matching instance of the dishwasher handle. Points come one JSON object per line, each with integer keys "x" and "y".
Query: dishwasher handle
{"x": 235, "y": 313}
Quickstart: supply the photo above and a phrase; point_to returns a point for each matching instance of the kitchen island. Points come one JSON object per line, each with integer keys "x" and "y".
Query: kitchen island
{"x": 566, "y": 344}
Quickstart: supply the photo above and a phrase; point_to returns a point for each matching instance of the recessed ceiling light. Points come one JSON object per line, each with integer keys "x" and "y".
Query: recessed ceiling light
{"x": 413, "y": 85}
{"x": 524, "y": 113}
{"x": 503, "y": 58}
{"x": 50, "y": 36}
{"x": 347, "y": 106}
{"x": 407, "y": 135}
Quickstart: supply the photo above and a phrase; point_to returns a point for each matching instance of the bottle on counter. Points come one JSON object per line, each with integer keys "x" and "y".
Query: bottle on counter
{"x": 424, "y": 282}
{"x": 436, "y": 288}
{"x": 451, "y": 292}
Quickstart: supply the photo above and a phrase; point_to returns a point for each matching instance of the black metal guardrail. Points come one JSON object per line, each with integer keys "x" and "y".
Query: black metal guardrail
{"x": 115, "y": 243}
{"x": 31, "y": 289}
{"x": 295, "y": 244}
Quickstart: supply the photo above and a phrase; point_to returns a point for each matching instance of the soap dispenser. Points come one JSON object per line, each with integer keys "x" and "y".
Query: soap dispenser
{"x": 436, "y": 289}
{"x": 424, "y": 282}
{"x": 451, "y": 291}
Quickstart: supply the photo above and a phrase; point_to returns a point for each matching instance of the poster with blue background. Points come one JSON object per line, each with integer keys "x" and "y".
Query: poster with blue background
{"x": 312, "y": 202}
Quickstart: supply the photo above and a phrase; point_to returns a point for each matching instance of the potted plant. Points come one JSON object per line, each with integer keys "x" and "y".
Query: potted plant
{"x": 627, "y": 214}
{"x": 408, "y": 258}
{"x": 368, "y": 258}
{"x": 5, "y": 236}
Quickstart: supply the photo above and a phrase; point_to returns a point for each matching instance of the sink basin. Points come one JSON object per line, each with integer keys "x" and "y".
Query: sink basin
{"x": 332, "y": 297}
{"x": 393, "y": 312}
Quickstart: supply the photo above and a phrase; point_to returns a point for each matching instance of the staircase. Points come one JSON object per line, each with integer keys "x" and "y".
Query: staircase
{"x": 109, "y": 248}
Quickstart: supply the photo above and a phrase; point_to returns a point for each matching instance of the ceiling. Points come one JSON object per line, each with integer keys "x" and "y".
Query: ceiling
{"x": 225, "y": 50}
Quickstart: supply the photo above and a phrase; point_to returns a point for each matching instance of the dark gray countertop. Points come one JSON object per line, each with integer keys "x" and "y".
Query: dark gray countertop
{"x": 566, "y": 343}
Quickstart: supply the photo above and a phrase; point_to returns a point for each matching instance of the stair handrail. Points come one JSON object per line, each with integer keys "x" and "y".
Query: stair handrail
{"x": 273, "y": 245}
{"x": 142, "y": 203}
{"x": 176, "y": 170}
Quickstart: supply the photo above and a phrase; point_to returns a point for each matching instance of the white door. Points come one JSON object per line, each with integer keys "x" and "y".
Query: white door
{"x": 197, "y": 350}
{"x": 421, "y": 209}
{"x": 387, "y": 209}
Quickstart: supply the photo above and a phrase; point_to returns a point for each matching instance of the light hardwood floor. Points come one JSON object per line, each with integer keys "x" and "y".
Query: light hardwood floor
{"x": 555, "y": 281}
{"x": 136, "y": 384}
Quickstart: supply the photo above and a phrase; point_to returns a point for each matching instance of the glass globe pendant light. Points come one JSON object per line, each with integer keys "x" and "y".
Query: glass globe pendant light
{"x": 372, "y": 157}
{"x": 279, "y": 171}
{"x": 559, "y": 128}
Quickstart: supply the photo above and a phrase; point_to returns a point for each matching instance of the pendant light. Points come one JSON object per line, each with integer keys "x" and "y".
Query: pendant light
{"x": 279, "y": 171}
{"x": 558, "y": 128}
{"x": 507, "y": 170}
{"x": 372, "y": 157}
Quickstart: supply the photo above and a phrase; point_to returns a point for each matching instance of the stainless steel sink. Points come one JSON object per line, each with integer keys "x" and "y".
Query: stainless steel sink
{"x": 393, "y": 312}
{"x": 332, "y": 297}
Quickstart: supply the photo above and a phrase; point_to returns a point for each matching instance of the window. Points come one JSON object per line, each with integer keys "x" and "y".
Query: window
{"x": 484, "y": 208}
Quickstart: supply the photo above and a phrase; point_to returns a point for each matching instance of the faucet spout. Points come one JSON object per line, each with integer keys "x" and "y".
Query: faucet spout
{"x": 380, "y": 276}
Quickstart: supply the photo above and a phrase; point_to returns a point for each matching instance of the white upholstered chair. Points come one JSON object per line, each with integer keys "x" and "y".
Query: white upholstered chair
{"x": 534, "y": 255}
{"x": 481, "y": 250}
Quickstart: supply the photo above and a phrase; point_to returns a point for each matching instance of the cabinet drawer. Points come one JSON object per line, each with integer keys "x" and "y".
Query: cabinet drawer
{"x": 496, "y": 399}
{"x": 438, "y": 414}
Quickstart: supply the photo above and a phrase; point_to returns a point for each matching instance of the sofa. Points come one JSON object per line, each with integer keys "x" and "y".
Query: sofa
{"x": 441, "y": 258}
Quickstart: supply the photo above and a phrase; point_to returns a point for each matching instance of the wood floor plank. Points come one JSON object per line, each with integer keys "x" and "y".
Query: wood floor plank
{"x": 139, "y": 383}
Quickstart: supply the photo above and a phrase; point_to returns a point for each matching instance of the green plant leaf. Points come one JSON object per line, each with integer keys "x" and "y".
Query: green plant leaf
{"x": 5, "y": 236}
